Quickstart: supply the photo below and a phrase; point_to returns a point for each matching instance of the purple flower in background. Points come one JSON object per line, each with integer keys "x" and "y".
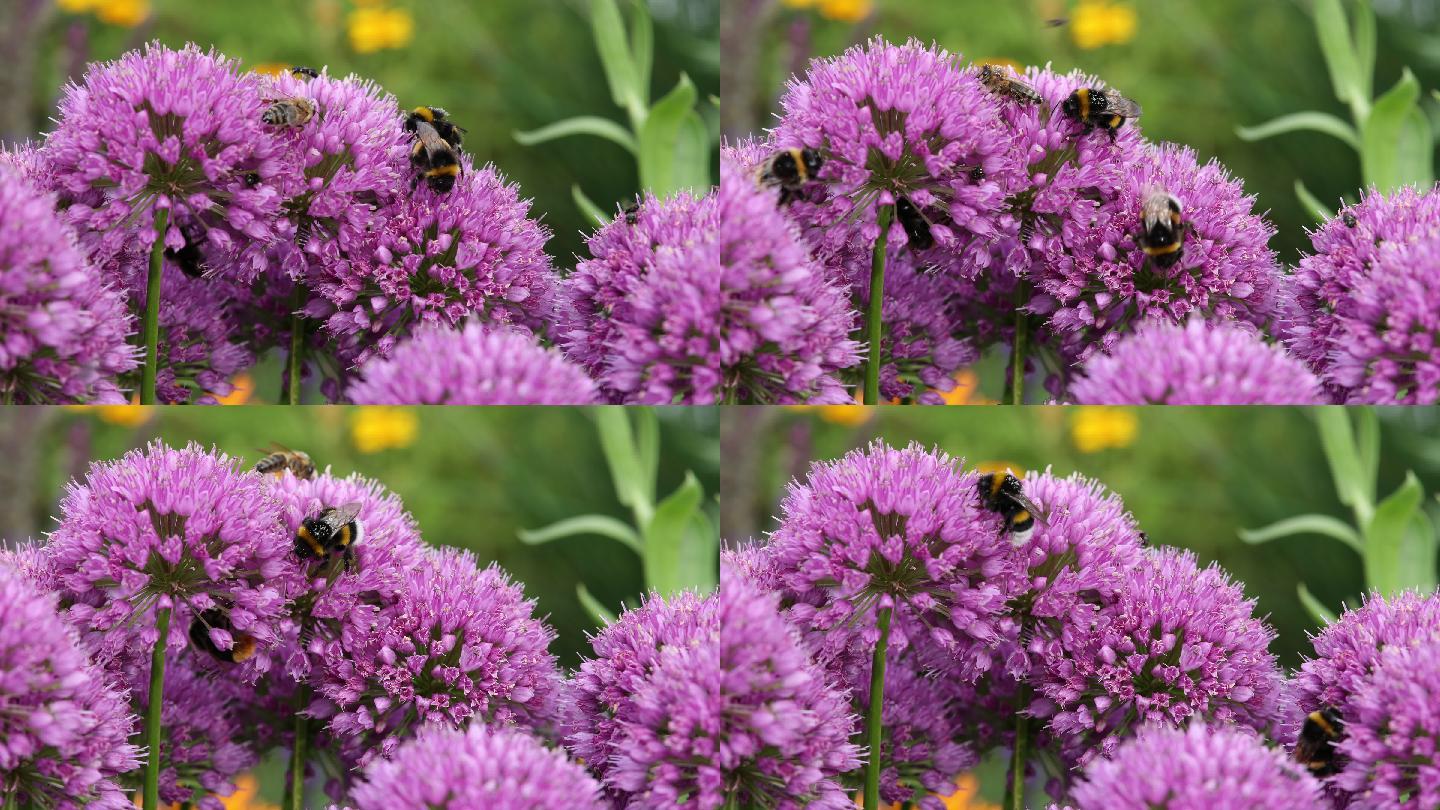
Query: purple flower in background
{"x": 1197, "y": 768}
{"x": 787, "y": 732}
{"x": 496, "y": 768}
{"x": 459, "y": 642}
{"x": 170, "y": 129}
{"x": 64, "y": 730}
{"x": 1198, "y": 363}
{"x": 1392, "y": 729}
{"x": 472, "y": 365}
{"x": 62, "y": 330}
{"x": 164, "y": 528}
{"x": 785, "y": 329}
{"x": 1176, "y": 642}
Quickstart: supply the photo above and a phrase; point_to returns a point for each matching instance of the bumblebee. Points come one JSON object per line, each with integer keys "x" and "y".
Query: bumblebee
{"x": 283, "y": 458}
{"x": 303, "y": 72}
{"x": 333, "y": 530}
{"x": 1103, "y": 109}
{"x": 1315, "y": 747}
{"x": 189, "y": 257}
{"x": 631, "y": 213}
{"x": 243, "y": 648}
{"x": 1349, "y": 220}
{"x": 917, "y": 228}
{"x": 1162, "y": 230}
{"x": 436, "y": 151}
{"x": 1002, "y": 494}
{"x": 289, "y": 112}
{"x": 789, "y": 170}
{"x": 977, "y": 175}
{"x": 997, "y": 79}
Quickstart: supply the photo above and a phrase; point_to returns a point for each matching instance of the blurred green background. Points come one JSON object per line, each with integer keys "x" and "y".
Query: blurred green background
{"x": 498, "y": 66}
{"x": 1199, "y": 69}
{"x": 1192, "y": 477}
{"x": 471, "y": 477}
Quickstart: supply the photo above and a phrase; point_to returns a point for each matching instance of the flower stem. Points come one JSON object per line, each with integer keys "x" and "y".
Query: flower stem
{"x": 295, "y": 796}
{"x": 1015, "y": 791}
{"x": 874, "y": 326}
{"x": 296, "y": 360}
{"x": 873, "y": 726}
{"x": 152, "y": 309}
{"x": 1016, "y": 386}
{"x": 152, "y": 709}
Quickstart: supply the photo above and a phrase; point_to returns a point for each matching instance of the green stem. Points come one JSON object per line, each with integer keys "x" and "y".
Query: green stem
{"x": 295, "y": 797}
{"x": 152, "y": 309}
{"x": 873, "y": 726}
{"x": 297, "y": 347}
{"x": 1015, "y": 791}
{"x": 152, "y": 709}
{"x": 1016, "y": 388}
{"x": 874, "y": 326}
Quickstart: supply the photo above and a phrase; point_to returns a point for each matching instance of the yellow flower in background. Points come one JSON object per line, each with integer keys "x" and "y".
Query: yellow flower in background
{"x": 964, "y": 797}
{"x": 377, "y": 428}
{"x": 848, "y": 415}
{"x": 966, "y": 390}
{"x": 840, "y": 10}
{"x": 124, "y": 13}
{"x": 132, "y": 415}
{"x": 1097, "y": 23}
{"x": 246, "y": 795}
{"x": 243, "y": 390}
{"x": 270, "y": 68}
{"x": 375, "y": 29}
{"x": 1097, "y": 428}
{"x": 77, "y": 6}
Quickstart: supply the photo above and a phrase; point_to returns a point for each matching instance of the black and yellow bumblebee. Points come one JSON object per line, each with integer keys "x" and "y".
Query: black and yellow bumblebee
{"x": 1099, "y": 109}
{"x": 436, "y": 151}
{"x": 303, "y": 72}
{"x": 283, "y": 458}
{"x": 1162, "y": 228}
{"x": 631, "y": 213}
{"x": 1349, "y": 220}
{"x": 1003, "y": 494}
{"x": 214, "y": 619}
{"x": 789, "y": 170}
{"x": 190, "y": 258}
{"x": 998, "y": 80}
{"x": 334, "y": 530}
{"x": 917, "y": 227}
{"x": 1315, "y": 747}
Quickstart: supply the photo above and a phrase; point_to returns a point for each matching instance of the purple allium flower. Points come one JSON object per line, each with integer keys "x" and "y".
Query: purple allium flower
{"x": 62, "y": 330}
{"x": 169, "y": 129}
{"x": 459, "y": 642}
{"x": 1197, "y": 363}
{"x": 472, "y": 365}
{"x": 1197, "y": 768}
{"x": 438, "y": 258}
{"x": 786, "y": 731}
{"x": 786, "y": 329}
{"x": 1392, "y": 733}
{"x": 164, "y": 528}
{"x": 496, "y": 768}
{"x": 900, "y": 529}
{"x": 643, "y": 316}
{"x": 1176, "y": 642}
{"x": 64, "y": 730}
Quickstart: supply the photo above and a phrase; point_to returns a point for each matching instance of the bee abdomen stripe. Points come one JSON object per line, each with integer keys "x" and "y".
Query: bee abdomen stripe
{"x": 1161, "y": 250}
{"x": 1318, "y": 719}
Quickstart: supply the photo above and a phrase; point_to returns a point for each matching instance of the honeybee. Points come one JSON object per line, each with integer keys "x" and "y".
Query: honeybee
{"x": 998, "y": 80}
{"x": 1003, "y": 494}
{"x": 789, "y": 170}
{"x": 335, "y": 529}
{"x": 1162, "y": 230}
{"x": 289, "y": 112}
{"x": 917, "y": 228}
{"x": 213, "y": 619}
{"x": 281, "y": 459}
{"x": 303, "y": 72}
{"x": 1105, "y": 109}
{"x": 436, "y": 151}
{"x": 1315, "y": 747}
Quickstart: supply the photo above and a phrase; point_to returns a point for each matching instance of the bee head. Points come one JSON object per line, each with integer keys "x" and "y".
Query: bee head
{"x": 811, "y": 160}
{"x": 1072, "y": 103}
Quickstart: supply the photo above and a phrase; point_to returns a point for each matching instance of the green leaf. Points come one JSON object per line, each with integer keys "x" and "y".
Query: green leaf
{"x": 1365, "y": 46}
{"x": 1333, "y": 31}
{"x": 701, "y": 552}
{"x": 659, "y": 138}
{"x": 609, "y": 28}
{"x": 581, "y": 125}
{"x": 666, "y": 536}
{"x": 597, "y": 611}
{"x": 1338, "y": 440}
{"x": 692, "y": 154}
{"x": 1382, "y": 131}
{"x": 647, "y": 447}
{"x": 626, "y": 472}
{"x": 642, "y": 47}
{"x": 1416, "y": 150}
{"x": 1296, "y": 122}
{"x": 1317, "y": 610}
{"x": 1367, "y": 448}
{"x": 1316, "y": 209}
{"x": 1417, "y": 553}
{"x": 602, "y": 525}
{"x": 587, "y": 207}
{"x": 1304, "y": 524}
{"x": 1385, "y": 536}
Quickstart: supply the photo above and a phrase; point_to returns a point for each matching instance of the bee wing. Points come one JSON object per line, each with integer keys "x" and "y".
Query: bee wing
{"x": 1036, "y": 512}
{"x": 1123, "y": 106}
{"x": 344, "y": 514}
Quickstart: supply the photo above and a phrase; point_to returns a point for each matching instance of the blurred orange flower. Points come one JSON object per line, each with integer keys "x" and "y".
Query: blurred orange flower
{"x": 124, "y": 13}
{"x": 966, "y": 390}
{"x": 1096, "y": 428}
{"x": 1097, "y": 23}
{"x": 243, "y": 390}
{"x": 839, "y": 10}
{"x": 964, "y": 798}
{"x": 132, "y": 415}
{"x": 375, "y": 29}
{"x": 849, "y": 415}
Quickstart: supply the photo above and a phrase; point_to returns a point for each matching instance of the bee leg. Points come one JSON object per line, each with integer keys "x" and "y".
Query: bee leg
{"x": 349, "y": 557}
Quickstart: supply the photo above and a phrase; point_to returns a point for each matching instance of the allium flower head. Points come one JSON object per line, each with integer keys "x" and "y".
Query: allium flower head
{"x": 472, "y": 365}
{"x": 481, "y": 766}
{"x": 1176, "y": 642}
{"x": 64, "y": 731}
{"x": 1197, "y": 768}
{"x": 920, "y": 350}
{"x": 169, "y": 129}
{"x": 1392, "y": 733}
{"x": 62, "y": 330}
{"x": 785, "y": 328}
{"x": 786, "y": 732}
{"x": 459, "y": 642}
{"x": 164, "y": 528}
{"x": 1198, "y": 363}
